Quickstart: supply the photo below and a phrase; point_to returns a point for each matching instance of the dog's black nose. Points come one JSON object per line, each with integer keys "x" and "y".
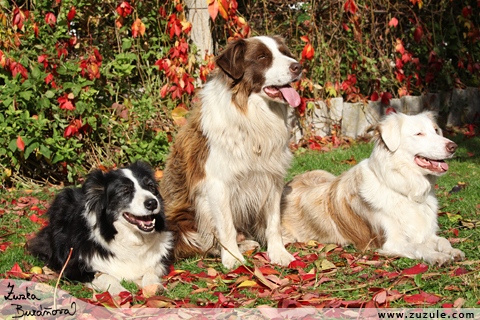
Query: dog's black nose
{"x": 451, "y": 147}
{"x": 296, "y": 68}
{"x": 150, "y": 204}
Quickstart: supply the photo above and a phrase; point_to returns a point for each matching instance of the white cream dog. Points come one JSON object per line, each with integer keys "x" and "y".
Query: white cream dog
{"x": 385, "y": 202}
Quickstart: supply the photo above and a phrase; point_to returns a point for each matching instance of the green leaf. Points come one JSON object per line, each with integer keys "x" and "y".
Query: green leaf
{"x": 26, "y": 95}
{"x": 80, "y": 106}
{"x": 30, "y": 149}
{"x": 418, "y": 279}
{"x": 127, "y": 44}
{"x": 13, "y": 145}
{"x": 7, "y": 102}
{"x": 26, "y": 84}
{"x": 44, "y": 103}
{"x": 45, "y": 151}
{"x": 57, "y": 158}
{"x": 36, "y": 73}
{"x": 76, "y": 90}
{"x": 49, "y": 94}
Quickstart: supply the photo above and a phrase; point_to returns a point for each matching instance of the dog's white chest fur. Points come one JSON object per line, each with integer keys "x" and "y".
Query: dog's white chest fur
{"x": 416, "y": 222}
{"x": 138, "y": 253}
{"x": 249, "y": 152}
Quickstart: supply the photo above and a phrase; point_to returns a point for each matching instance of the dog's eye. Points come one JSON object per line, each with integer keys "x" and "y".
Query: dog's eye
{"x": 261, "y": 57}
{"x": 419, "y": 134}
{"x": 127, "y": 190}
{"x": 152, "y": 188}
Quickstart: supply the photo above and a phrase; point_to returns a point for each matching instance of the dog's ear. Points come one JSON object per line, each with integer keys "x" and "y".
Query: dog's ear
{"x": 231, "y": 60}
{"x": 432, "y": 116}
{"x": 389, "y": 130}
{"x": 94, "y": 191}
{"x": 94, "y": 187}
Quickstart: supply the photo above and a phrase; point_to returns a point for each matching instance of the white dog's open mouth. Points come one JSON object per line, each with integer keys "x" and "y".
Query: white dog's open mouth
{"x": 285, "y": 92}
{"x": 144, "y": 223}
{"x": 430, "y": 164}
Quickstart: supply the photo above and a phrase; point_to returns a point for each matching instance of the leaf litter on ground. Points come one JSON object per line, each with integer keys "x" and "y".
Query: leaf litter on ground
{"x": 323, "y": 275}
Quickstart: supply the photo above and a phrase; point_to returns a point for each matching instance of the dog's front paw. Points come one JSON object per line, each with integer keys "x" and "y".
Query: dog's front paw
{"x": 438, "y": 259}
{"x": 280, "y": 257}
{"x": 456, "y": 254}
{"x": 105, "y": 282}
{"x": 152, "y": 281}
{"x": 229, "y": 261}
{"x": 247, "y": 245}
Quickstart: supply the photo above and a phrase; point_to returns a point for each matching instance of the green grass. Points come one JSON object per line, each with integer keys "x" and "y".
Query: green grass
{"x": 461, "y": 212}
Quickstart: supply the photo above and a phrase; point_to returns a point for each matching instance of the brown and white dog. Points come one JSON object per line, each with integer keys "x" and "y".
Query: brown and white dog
{"x": 224, "y": 176}
{"x": 386, "y": 201}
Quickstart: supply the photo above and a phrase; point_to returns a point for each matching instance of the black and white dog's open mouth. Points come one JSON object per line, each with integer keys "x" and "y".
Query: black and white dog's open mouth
{"x": 144, "y": 223}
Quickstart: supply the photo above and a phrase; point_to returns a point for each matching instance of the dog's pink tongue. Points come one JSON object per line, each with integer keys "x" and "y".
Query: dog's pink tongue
{"x": 442, "y": 164}
{"x": 290, "y": 95}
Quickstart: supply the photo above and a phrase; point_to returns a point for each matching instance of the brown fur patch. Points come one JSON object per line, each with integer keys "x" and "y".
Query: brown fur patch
{"x": 246, "y": 74}
{"x": 344, "y": 208}
{"x": 319, "y": 206}
{"x": 184, "y": 169}
{"x": 282, "y": 47}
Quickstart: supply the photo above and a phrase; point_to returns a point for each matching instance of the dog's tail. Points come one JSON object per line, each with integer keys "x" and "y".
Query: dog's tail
{"x": 186, "y": 238}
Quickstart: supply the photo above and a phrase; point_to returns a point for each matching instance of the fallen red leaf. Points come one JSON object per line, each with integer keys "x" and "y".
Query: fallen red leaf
{"x": 16, "y": 268}
{"x": 268, "y": 270}
{"x": 460, "y": 271}
{"x": 297, "y": 264}
{"x": 423, "y": 298}
{"x": 240, "y": 270}
{"x": 419, "y": 268}
{"x": 106, "y": 300}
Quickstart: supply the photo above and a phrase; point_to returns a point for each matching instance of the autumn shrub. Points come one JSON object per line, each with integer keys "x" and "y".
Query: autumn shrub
{"x": 98, "y": 83}
{"x": 91, "y": 83}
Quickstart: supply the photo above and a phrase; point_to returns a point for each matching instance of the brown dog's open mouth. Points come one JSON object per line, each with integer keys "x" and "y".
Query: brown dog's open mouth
{"x": 285, "y": 92}
{"x": 144, "y": 223}
{"x": 430, "y": 164}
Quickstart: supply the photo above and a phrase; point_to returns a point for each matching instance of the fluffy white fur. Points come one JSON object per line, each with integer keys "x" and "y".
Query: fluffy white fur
{"x": 389, "y": 195}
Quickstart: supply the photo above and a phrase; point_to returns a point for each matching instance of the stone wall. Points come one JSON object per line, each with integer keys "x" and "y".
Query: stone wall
{"x": 356, "y": 119}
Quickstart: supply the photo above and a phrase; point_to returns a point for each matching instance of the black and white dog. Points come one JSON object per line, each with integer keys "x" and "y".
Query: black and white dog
{"x": 116, "y": 227}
